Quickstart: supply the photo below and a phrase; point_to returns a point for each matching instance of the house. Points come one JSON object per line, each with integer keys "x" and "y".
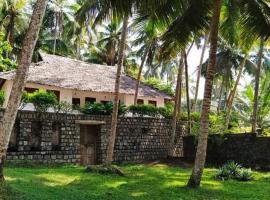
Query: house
{"x": 78, "y": 82}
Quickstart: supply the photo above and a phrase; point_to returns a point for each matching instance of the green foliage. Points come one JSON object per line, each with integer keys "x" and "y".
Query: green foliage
{"x": 41, "y": 100}
{"x": 167, "y": 111}
{"x": 63, "y": 107}
{"x": 244, "y": 175}
{"x": 232, "y": 170}
{"x": 102, "y": 109}
{"x": 244, "y": 105}
{"x": 157, "y": 84}
{"x": 142, "y": 182}
{"x": 6, "y": 64}
{"x": 2, "y": 98}
{"x": 142, "y": 110}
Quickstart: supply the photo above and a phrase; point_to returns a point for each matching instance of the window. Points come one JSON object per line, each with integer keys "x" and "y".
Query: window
{"x": 56, "y": 131}
{"x": 90, "y": 100}
{"x": 167, "y": 101}
{"x": 57, "y": 94}
{"x": 76, "y": 102}
{"x": 30, "y": 90}
{"x": 140, "y": 101}
{"x": 105, "y": 102}
{"x": 12, "y": 146}
{"x": 154, "y": 103}
{"x": 35, "y": 136}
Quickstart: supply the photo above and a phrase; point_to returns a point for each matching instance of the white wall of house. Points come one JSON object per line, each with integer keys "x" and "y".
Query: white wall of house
{"x": 67, "y": 94}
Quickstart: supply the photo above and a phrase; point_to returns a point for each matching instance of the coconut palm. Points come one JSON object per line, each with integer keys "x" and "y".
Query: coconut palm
{"x": 28, "y": 45}
{"x": 148, "y": 40}
{"x": 14, "y": 18}
{"x": 244, "y": 104}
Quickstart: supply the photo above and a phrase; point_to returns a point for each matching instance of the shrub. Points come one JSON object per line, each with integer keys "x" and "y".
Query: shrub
{"x": 63, "y": 107}
{"x": 41, "y": 99}
{"x": 232, "y": 170}
{"x": 167, "y": 111}
{"x": 102, "y": 109}
{"x": 141, "y": 110}
{"x": 223, "y": 173}
{"x": 244, "y": 175}
{"x": 2, "y": 98}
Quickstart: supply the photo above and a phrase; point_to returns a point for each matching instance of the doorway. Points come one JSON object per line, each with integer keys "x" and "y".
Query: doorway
{"x": 88, "y": 144}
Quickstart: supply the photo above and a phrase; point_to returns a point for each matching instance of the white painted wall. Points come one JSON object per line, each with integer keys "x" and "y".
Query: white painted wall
{"x": 67, "y": 94}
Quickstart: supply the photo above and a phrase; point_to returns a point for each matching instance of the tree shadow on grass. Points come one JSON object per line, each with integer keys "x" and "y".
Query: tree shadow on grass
{"x": 141, "y": 182}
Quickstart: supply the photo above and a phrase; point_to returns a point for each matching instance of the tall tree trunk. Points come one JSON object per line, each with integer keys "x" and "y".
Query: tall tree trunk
{"x": 193, "y": 107}
{"x": 28, "y": 45}
{"x": 230, "y": 102}
{"x": 111, "y": 137}
{"x": 195, "y": 178}
{"x": 257, "y": 87}
{"x": 187, "y": 92}
{"x": 220, "y": 95}
{"x": 176, "y": 110}
{"x": 139, "y": 75}
{"x": 10, "y": 29}
{"x": 55, "y": 33}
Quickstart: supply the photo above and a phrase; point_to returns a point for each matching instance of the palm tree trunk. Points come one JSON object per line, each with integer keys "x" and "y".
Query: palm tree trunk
{"x": 55, "y": 33}
{"x": 112, "y": 136}
{"x": 230, "y": 102}
{"x": 139, "y": 75}
{"x": 193, "y": 107}
{"x": 197, "y": 172}
{"x": 187, "y": 93}
{"x": 256, "y": 89}
{"x": 28, "y": 45}
{"x": 176, "y": 106}
{"x": 220, "y": 95}
{"x": 10, "y": 29}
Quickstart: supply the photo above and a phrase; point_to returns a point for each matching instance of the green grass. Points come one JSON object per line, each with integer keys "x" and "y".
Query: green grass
{"x": 141, "y": 182}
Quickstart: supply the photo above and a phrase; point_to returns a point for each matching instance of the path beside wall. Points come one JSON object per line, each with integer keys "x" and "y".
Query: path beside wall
{"x": 55, "y": 138}
{"x": 245, "y": 149}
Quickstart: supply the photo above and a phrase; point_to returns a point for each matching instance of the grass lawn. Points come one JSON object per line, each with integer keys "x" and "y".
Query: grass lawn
{"x": 141, "y": 182}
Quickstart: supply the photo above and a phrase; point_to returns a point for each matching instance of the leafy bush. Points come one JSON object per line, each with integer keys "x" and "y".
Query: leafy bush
{"x": 141, "y": 110}
{"x": 167, "y": 111}
{"x": 244, "y": 175}
{"x": 223, "y": 173}
{"x": 102, "y": 109}
{"x": 232, "y": 170}
{"x": 41, "y": 99}
{"x": 63, "y": 107}
{"x": 2, "y": 98}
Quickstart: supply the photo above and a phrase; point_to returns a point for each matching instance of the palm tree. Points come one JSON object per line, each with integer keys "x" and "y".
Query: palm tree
{"x": 177, "y": 105}
{"x": 28, "y": 45}
{"x": 196, "y": 175}
{"x": 252, "y": 13}
{"x": 112, "y": 136}
{"x": 149, "y": 39}
{"x": 14, "y": 14}
{"x": 244, "y": 104}
{"x": 193, "y": 107}
{"x": 257, "y": 85}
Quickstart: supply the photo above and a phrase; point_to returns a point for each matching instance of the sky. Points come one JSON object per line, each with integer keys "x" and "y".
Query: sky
{"x": 193, "y": 62}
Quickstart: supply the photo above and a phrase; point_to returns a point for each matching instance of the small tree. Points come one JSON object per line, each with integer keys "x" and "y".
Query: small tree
{"x": 41, "y": 99}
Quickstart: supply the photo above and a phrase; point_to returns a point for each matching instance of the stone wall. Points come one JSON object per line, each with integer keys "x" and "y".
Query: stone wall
{"x": 246, "y": 149}
{"x": 35, "y": 138}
